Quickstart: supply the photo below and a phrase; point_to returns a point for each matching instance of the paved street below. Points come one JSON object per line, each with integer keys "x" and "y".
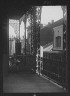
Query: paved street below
{"x": 28, "y": 83}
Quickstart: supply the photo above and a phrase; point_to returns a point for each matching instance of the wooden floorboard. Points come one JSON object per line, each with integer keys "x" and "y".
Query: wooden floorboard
{"x": 28, "y": 83}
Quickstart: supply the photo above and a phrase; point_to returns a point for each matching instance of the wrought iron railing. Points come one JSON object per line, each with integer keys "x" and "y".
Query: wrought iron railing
{"x": 54, "y": 66}
{"x": 22, "y": 63}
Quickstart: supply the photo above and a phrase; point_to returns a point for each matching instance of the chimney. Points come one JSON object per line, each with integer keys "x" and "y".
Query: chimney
{"x": 52, "y": 21}
{"x": 49, "y": 23}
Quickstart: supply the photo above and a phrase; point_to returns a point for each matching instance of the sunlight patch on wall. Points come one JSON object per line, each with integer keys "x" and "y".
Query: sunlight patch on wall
{"x": 13, "y": 28}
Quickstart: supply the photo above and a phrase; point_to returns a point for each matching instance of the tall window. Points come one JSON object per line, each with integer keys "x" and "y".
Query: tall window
{"x": 58, "y": 41}
{"x": 13, "y": 34}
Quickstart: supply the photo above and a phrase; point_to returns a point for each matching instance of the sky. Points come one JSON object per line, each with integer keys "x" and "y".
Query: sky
{"x": 48, "y": 13}
{"x": 51, "y": 13}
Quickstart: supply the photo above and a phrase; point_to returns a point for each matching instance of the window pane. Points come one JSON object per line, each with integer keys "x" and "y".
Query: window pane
{"x": 58, "y": 41}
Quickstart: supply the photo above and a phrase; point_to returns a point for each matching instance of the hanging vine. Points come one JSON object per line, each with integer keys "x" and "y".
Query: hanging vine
{"x": 64, "y": 26}
{"x": 35, "y": 17}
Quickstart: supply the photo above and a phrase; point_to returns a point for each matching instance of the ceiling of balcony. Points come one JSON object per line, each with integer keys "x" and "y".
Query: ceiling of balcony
{"x": 14, "y": 8}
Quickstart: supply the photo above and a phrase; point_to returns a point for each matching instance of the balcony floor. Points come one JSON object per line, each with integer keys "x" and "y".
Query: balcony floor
{"x": 28, "y": 83}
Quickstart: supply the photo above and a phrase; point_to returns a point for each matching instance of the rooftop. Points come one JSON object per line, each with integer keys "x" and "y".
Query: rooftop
{"x": 46, "y": 33}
